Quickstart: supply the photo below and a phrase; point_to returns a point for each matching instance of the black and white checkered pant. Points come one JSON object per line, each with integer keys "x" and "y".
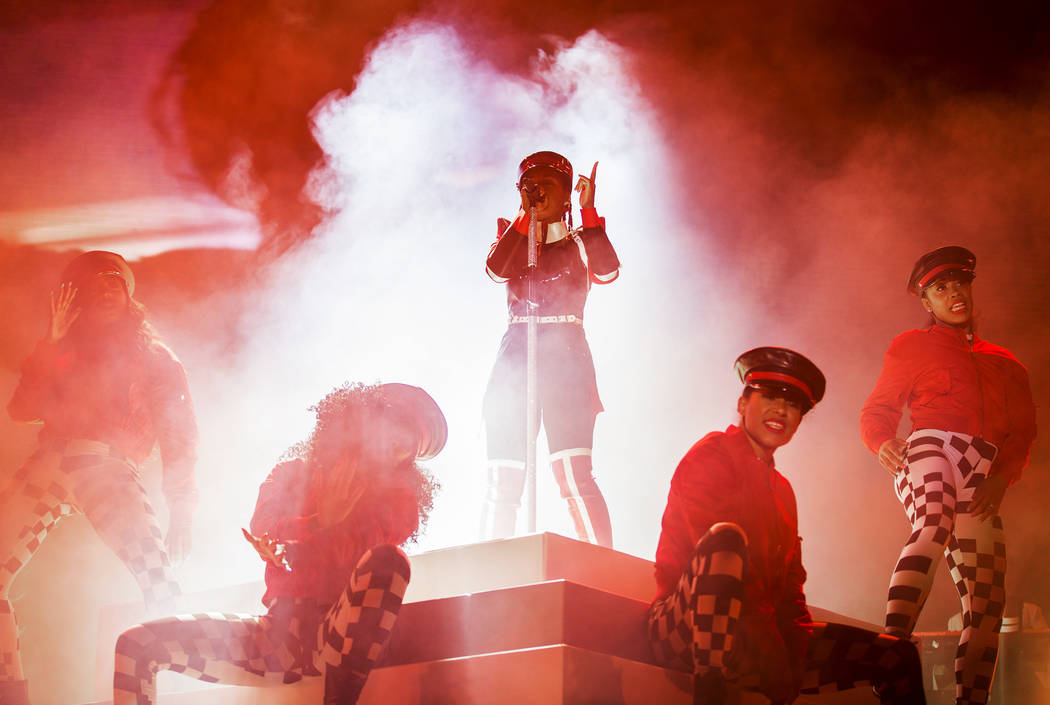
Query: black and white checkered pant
{"x": 936, "y": 487}
{"x": 295, "y": 639}
{"x": 66, "y": 477}
{"x": 693, "y": 628}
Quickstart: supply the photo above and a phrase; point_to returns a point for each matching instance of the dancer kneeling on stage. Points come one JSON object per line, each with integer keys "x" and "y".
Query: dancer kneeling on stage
{"x": 106, "y": 390}
{"x": 328, "y": 523}
{"x": 973, "y": 422}
{"x": 729, "y": 570}
{"x": 567, "y": 263}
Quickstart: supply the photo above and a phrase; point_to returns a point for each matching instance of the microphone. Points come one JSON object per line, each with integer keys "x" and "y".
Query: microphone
{"x": 533, "y": 191}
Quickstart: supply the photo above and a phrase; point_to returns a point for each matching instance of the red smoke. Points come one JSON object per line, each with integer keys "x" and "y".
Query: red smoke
{"x": 810, "y": 79}
{"x": 816, "y": 149}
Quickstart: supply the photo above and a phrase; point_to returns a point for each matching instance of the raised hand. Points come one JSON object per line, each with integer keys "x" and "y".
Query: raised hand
{"x": 62, "y": 312}
{"x": 585, "y": 187}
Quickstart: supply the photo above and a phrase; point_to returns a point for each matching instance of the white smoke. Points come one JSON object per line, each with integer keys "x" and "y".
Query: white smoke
{"x": 421, "y": 160}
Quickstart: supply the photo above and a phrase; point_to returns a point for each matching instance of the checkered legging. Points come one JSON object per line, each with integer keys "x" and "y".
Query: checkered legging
{"x": 296, "y": 638}
{"x": 936, "y": 487}
{"x": 66, "y": 477}
{"x": 693, "y": 628}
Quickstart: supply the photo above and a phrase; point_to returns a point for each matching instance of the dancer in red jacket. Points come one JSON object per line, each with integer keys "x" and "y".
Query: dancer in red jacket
{"x": 106, "y": 390}
{"x": 730, "y": 603}
{"x": 329, "y": 522}
{"x": 973, "y": 422}
{"x": 568, "y": 262}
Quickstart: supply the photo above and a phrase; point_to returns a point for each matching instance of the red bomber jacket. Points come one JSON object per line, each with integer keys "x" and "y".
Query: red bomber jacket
{"x": 565, "y": 268}
{"x": 132, "y": 400}
{"x": 323, "y": 559}
{"x": 952, "y": 384}
{"x": 720, "y": 479}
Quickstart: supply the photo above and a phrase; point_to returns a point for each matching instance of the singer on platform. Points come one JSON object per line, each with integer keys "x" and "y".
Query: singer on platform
{"x": 568, "y": 261}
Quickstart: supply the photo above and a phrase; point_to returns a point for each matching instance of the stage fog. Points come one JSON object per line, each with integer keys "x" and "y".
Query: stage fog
{"x": 768, "y": 178}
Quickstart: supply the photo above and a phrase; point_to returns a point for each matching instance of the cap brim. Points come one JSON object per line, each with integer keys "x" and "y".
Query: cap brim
{"x": 424, "y": 411}
{"x": 789, "y": 391}
{"x": 947, "y": 273}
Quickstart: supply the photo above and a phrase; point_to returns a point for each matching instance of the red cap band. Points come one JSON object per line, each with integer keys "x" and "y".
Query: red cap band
{"x": 932, "y": 274}
{"x": 761, "y": 375}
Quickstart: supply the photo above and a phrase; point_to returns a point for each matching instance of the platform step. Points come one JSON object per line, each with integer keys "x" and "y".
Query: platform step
{"x": 447, "y": 572}
{"x": 549, "y": 675}
{"x": 542, "y": 614}
{"x": 523, "y": 560}
{"x": 542, "y": 591}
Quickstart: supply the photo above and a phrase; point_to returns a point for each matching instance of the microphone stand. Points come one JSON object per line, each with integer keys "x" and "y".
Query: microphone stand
{"x": 531, "y": 401}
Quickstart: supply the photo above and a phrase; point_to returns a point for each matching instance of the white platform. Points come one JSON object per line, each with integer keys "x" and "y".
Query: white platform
{"x": 539, "y": 619}
{"x": 548, "y": 675}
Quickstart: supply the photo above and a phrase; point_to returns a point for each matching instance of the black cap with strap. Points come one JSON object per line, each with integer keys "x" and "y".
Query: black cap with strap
{"x": 549, "y": 160}
{"x": 950, "y": 260}
{"x": 782, "y": 370}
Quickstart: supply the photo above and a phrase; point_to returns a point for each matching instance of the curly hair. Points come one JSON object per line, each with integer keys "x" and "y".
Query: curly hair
{"x": 356, "y": 418}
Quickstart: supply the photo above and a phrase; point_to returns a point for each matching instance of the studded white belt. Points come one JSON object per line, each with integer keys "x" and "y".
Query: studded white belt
{"x": 566, "y": 318}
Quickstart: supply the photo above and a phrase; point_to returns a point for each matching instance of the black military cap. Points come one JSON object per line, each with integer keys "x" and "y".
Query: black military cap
{"x": 551, "y": 160}
{"x": 944, "y": 260}
{"x": 783, "y": 370}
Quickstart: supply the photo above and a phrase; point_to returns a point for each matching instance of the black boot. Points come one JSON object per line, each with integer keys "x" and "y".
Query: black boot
{"x": 709, "y": 688}
{"x": 342, "y": 686}
{"x": 14, "y": 692}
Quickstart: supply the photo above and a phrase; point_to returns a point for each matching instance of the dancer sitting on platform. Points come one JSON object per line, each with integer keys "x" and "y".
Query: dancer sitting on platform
{"x": 328, "y": 522}
{"x": 729, "y": 566}
{"x": 973, "y": 422}
{"x": 568, "y": 261}
{"x": 106, "y": 390}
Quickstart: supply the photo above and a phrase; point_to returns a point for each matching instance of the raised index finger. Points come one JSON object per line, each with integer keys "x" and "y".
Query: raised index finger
{"x": 594, "y": 171}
